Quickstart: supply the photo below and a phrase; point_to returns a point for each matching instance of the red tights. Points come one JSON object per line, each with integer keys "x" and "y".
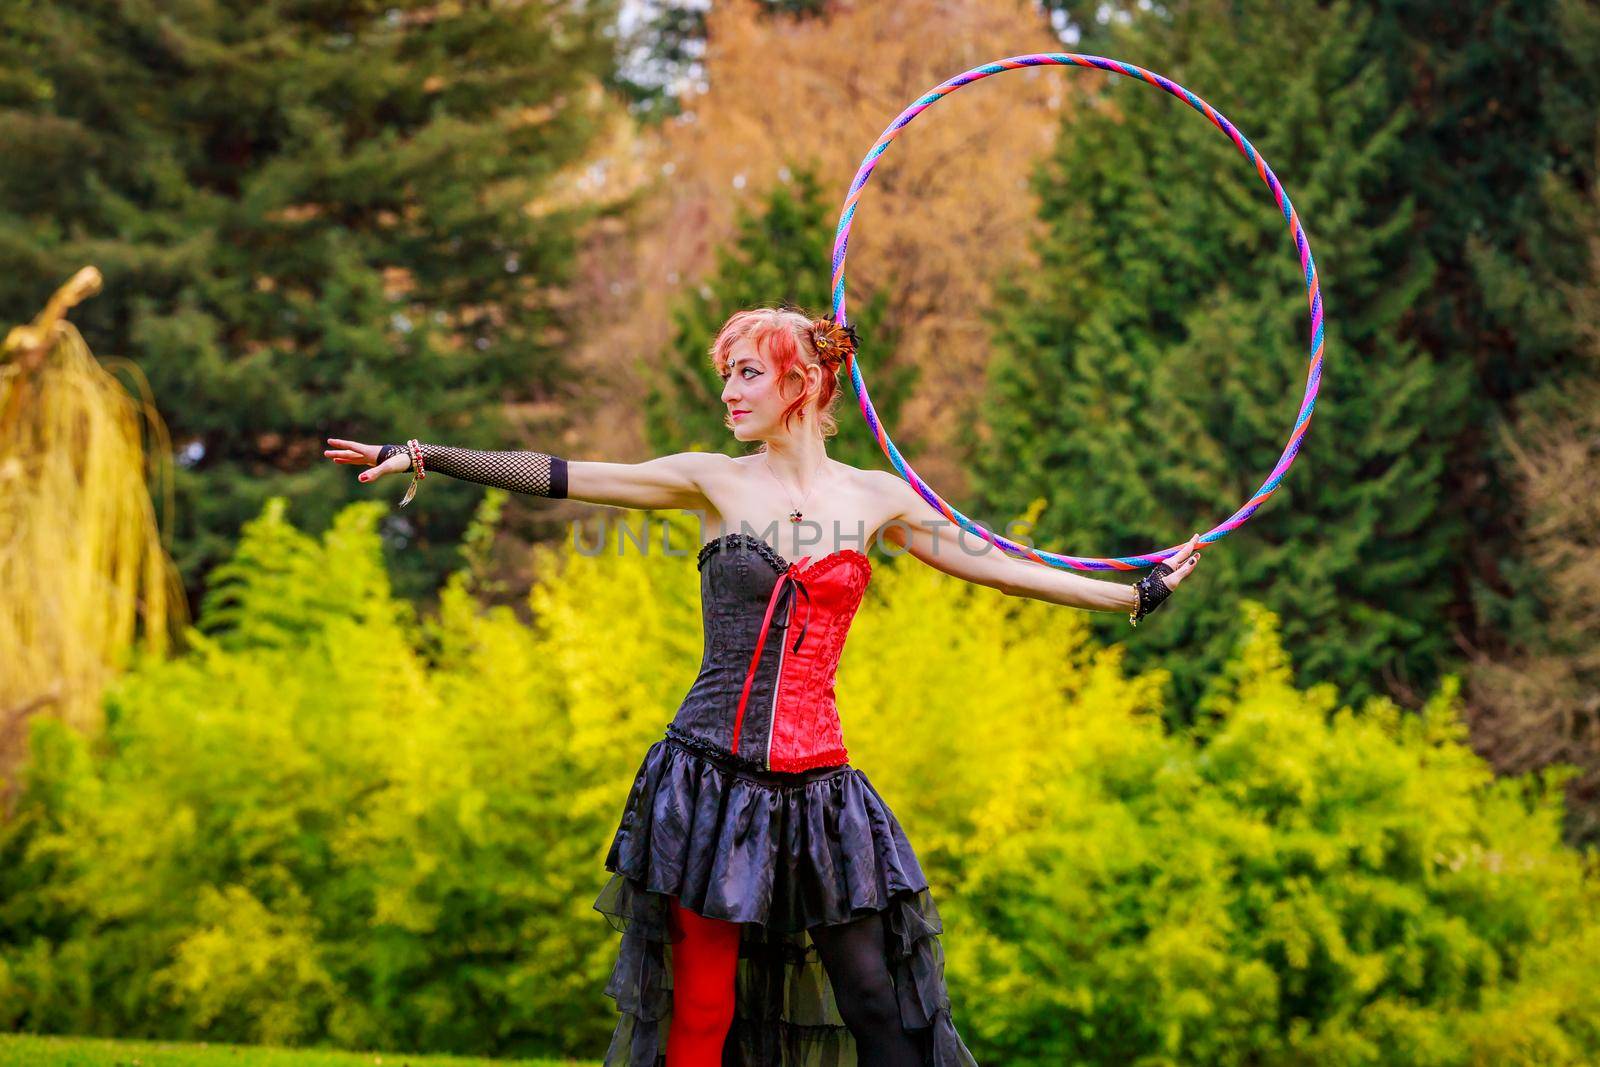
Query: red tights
{"x": 706, "y": 959}
{"x": 703, "y": 966}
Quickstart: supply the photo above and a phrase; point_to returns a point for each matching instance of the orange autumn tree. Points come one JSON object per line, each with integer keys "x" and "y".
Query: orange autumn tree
{"x": 948, "y": 208}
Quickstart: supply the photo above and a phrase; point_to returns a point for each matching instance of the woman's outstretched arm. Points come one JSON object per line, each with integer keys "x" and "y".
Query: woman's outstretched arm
{"x": 672, "y": 481}
{"x": 938, "y": 542}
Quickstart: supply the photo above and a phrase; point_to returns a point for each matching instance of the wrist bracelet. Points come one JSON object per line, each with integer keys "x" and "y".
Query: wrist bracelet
{"x": 417, "y": 470}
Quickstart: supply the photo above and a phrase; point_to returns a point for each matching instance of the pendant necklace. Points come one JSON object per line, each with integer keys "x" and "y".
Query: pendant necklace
{"x": 794, "y": 515}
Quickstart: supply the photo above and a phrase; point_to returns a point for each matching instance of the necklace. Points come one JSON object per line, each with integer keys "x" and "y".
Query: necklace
{"x": 795, "y": 515}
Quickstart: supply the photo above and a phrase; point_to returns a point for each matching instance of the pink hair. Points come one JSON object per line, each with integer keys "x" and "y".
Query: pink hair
{"x": 782, "y": 337}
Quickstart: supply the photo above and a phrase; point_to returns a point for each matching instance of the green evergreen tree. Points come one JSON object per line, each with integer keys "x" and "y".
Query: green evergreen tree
{"x": 1525, "y": 301}
{"x": 312, "y": 219}
{"x": 1505, "y": 99}
{"x": 782, "y": 255}
{"x": 1149, "y": 371}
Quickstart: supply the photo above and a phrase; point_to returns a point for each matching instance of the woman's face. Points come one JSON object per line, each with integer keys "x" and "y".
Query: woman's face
{"x": 750, "y": 392}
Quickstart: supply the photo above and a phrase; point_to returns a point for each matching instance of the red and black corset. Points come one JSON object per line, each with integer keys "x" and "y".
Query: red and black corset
{"x": 773, "y": 635}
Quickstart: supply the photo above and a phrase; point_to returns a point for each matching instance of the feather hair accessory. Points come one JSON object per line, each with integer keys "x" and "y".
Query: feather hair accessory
{"x": 834, "y": 343}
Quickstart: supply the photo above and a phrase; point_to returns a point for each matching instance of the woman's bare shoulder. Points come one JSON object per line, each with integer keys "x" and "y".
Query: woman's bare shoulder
{"x": 713, "y": 463}
{"x": 881, "y": 483}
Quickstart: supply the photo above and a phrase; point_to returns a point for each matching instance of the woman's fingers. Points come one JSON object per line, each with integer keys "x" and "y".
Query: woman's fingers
{"x": 351, "y": 451}
{"x": 1183, "y": 563}
{"x": 360, "y": 455}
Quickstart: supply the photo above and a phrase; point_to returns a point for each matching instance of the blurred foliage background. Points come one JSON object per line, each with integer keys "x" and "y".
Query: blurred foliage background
{"x": 282, "y": 764}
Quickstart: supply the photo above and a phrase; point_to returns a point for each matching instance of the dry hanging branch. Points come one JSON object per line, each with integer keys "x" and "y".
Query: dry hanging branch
{"x": 85, "y": 578}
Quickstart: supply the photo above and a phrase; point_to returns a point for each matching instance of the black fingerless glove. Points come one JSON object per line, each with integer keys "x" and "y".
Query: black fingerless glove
{"x": 1152, "y": 592}
{"x": 534, "y": 473}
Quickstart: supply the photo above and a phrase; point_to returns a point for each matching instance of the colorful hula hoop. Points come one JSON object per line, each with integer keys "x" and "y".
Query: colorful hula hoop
{"x": 1313, "y": 291}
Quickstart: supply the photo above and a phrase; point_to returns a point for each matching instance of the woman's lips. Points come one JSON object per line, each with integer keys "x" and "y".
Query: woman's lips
{"x": 739, "y": 413}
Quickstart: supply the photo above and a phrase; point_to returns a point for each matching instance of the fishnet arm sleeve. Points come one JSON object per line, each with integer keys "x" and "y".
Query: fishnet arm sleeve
{"x": 535, "y": 473}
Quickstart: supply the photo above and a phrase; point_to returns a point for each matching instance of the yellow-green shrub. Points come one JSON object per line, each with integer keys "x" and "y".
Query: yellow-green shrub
{"x": 330, "y": 821}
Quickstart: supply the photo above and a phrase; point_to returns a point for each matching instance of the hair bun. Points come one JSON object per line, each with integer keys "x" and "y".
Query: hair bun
{"x": 834, "y": 343}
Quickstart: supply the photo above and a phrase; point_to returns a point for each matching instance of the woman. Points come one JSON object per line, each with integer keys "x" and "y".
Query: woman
{"x": 772, "y": 911}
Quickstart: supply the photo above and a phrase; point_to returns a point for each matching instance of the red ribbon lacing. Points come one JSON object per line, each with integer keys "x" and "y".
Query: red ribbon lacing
{"x": 789, "y": 578}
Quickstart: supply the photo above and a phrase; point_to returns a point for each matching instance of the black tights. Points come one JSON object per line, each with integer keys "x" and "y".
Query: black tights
{"x": 855, "y": 956}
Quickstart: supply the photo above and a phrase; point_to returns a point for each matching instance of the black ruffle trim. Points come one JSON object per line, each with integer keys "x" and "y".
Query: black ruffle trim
{"x": 700, "y": 746}
{"x": 729, "y": 760}
{"x": 768, "y": 553}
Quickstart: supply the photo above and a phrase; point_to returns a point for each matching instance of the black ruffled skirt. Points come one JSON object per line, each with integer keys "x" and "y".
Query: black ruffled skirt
{"x": 778, "y": 852}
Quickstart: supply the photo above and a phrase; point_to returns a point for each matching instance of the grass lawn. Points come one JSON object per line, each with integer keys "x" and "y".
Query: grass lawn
{"x": 27, "y": 1050}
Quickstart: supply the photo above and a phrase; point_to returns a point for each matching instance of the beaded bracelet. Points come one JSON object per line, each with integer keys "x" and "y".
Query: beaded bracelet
{"x": 418, "y": 472}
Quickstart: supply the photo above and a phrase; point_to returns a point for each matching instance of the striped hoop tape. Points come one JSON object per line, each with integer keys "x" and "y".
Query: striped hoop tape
{"x": 1313, "y": 292}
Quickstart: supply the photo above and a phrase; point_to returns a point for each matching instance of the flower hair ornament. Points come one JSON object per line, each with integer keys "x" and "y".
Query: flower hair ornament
{"x": 834, "y": 343}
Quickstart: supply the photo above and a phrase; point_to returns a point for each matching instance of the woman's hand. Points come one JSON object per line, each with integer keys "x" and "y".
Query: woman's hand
{"x": 1182, "y": 564}
{"x": 1154, "y": 589}
{"x": 357, "y": 454}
